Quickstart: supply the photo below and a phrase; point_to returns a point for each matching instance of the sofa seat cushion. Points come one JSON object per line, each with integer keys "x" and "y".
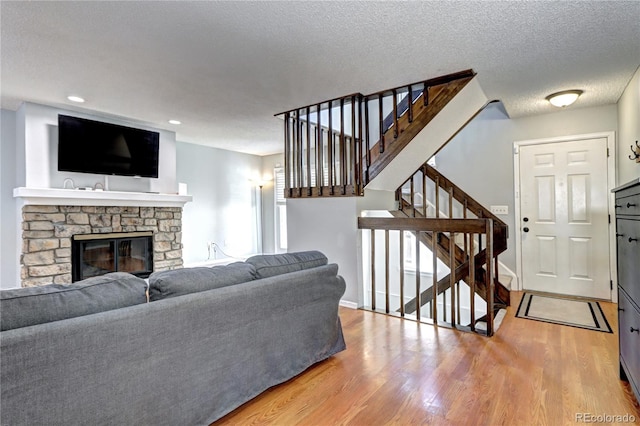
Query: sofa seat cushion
{"x": 23, "y": 307}
{"x": 277, "y": 264}
{"x": 178, "y": 282}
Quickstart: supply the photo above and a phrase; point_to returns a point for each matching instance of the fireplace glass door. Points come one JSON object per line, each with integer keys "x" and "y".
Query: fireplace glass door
{"x": 99, "y": 254}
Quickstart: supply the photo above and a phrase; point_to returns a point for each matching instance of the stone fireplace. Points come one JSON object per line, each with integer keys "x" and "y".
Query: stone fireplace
{"x": 48, "y": 229}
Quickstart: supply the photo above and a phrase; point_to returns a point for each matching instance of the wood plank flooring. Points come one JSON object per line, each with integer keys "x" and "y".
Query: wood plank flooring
{"x": 397, "y": 372}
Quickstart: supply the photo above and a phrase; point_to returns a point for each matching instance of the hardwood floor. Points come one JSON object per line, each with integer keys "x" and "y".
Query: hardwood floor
{"x": 400, "y": 372}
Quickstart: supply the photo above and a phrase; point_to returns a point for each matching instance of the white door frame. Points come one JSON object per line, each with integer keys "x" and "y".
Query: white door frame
{"x": 611, "y": 181}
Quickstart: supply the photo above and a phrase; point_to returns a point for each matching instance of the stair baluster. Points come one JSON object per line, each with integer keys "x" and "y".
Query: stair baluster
{"x": 319, "y": 153}
{"x": 367, "y": 138}
{"x": 386, "y": 271}
{"x": 381, "y": 140}
{"x": 330, "y": 152}
{"x": 472, "y": 284}
{"x": 395, "y": 113}
{"x": 352, "y": 146}
{"x": 287, "y": 154}
{"x": 434, "y": 285}
{"x": 308, "y": 174}
{"x": 410, "y": 106}
{"x": 401, "y": 250}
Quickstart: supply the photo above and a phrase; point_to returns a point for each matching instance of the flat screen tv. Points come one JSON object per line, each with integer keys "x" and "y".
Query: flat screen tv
{"x": 88, "y": 146}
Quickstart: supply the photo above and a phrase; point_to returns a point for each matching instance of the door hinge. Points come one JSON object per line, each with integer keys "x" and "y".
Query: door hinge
{"x": 609, "y": 218}
{"x": 608, "y": 152}
{"x": 611, "y": 284}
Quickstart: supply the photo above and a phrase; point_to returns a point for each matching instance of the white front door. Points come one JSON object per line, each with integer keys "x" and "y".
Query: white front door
{"x": 564, "y": 227}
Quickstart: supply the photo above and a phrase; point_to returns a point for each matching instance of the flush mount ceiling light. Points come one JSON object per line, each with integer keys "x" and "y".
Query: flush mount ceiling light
{"x": 564, "y": 98}
{"x": 74, "y": 98}
{"x": 175, "y": 122}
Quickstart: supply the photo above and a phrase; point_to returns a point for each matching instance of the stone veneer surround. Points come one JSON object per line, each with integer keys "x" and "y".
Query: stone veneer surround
{"x": 47, "y": 232}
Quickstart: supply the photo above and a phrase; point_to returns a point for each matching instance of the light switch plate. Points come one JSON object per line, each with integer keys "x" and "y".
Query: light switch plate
{"x": 500, "y": 210}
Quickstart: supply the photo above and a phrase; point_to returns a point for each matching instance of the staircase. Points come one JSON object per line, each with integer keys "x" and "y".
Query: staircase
{"x": 417, "y": 199}
{"x": 340, "y": 146}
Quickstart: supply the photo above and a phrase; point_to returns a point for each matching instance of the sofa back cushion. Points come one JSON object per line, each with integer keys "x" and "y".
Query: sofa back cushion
{"x": 23, "y": 307}
{"x": 178, "y": 282}
{"x": 277, "y": 264}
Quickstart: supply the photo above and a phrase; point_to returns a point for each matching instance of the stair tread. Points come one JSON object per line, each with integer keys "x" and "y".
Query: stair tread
{"x": 497, "y": 321}
{"x": 506, "y": 280}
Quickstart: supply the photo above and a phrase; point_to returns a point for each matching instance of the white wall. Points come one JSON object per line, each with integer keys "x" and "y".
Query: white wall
{"x": 628, "y": 130}
{"x": 225, "y": 201}
{"x": 480, "y": 158}
{"x": 269, "y": 162}
{"x": 40, "y": 147}
{"x": 8, "y": 267}
{"x": 330, "y": 225}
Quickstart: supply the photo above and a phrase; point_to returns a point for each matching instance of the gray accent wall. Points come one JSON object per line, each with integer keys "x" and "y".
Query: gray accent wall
{"x": 480, "y": 158}
{"x": 8, "y": 237}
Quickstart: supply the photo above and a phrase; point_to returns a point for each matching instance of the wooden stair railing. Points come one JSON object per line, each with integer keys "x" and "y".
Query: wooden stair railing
{"x": 451, "y": 313}
{"x": 319, "y": 158}
{"x": 502, "y": 294}
{"x": 336, "y": 147}
{"x": 470, "y": 207}
{"x": 439, "y": 92}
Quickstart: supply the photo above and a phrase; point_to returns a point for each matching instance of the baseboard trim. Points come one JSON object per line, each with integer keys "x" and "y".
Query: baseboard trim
{"x": 348, "y": 304}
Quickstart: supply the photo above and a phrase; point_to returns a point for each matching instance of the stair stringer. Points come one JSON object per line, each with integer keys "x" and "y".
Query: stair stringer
{"x": 444, "y": 126}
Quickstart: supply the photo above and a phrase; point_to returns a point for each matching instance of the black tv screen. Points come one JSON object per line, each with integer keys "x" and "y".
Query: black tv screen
{"x": 88, "y": 146}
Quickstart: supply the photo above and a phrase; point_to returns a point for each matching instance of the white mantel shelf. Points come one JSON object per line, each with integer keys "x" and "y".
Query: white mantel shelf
{"x": 76, "y": 197}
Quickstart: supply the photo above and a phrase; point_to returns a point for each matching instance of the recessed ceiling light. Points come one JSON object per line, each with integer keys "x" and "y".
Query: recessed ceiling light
{"x": 73, "y": 98}
{"x": 175, "y": 122}
{"x": 564, "y": 98}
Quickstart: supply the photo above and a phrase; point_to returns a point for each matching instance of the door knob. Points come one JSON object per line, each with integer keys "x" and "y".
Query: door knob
{"x": 630, "y": 205}
{"x": 526, "y": 219}
{"x": 635, "y": 330}
{"x": 525, "y": 229}
{"x": 632, "y": 239}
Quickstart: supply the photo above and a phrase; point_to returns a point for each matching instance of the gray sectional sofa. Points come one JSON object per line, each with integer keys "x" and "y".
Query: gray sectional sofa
{"x": 95, "y": 352}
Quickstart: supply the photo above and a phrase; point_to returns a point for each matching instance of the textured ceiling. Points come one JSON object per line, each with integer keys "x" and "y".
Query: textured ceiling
{"x": 224, "y": 68}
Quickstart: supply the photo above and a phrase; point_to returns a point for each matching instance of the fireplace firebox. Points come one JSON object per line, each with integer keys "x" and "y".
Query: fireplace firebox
{"x": 98, "y": 254}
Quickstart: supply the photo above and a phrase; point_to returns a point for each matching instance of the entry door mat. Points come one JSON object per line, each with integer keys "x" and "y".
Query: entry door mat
{"x": 559, "y": 310}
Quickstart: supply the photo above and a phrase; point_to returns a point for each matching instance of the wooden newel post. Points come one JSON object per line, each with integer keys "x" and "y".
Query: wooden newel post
{"x": 490, "y": 280}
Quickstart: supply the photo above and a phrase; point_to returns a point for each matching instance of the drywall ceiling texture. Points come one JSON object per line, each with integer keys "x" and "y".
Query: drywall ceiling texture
{"x": 225, "y": 68}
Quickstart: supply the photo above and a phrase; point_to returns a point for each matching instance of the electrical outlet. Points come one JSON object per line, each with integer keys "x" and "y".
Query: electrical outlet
{"x": 500, "y": 210}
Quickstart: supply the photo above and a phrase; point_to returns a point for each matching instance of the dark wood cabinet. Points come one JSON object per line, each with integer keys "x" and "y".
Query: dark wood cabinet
{"x": 628, "y": 249}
